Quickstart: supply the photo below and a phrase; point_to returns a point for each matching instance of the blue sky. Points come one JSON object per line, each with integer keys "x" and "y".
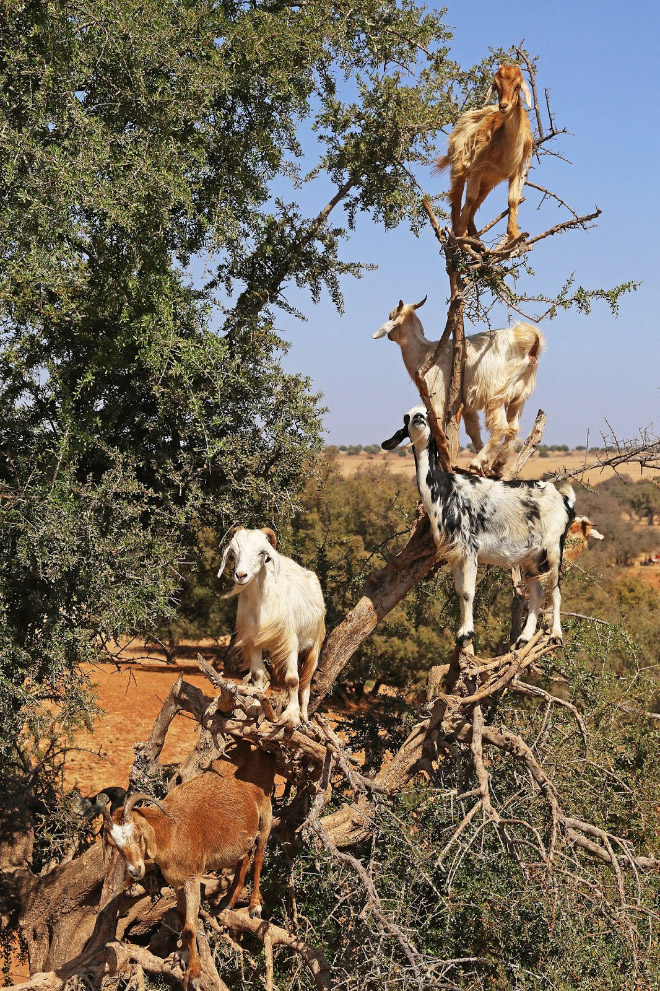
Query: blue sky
{"x": 600, "y": 62}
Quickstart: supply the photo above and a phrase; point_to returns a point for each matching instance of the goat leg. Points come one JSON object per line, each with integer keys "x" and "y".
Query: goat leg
{"x": 239, "y": 880}
{"x": 254, "y": 907}
{"x": 187, "y": 906}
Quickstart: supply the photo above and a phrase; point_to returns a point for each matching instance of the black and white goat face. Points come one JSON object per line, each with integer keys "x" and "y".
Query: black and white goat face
{"x": 250, "y": 551}
{"x": 415, "y": 428}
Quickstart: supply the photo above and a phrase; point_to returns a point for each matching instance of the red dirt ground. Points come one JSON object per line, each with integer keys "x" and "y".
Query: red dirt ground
{"x": 131, "y": 698}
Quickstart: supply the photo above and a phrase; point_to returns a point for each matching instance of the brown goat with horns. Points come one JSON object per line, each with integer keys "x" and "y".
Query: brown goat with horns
{"x": 486, "y": 147}
{"x": 208, "y": 823}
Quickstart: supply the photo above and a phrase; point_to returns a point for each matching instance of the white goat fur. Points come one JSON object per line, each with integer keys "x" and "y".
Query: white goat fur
{"x": 482, "y": 520}
{"x": 500, "y": 375}
{"x": 281, "y": 611}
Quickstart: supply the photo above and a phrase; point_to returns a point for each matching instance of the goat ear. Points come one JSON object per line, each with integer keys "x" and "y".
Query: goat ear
{"x": 270, "y": 534}
{"x": 400, "y": 306}
{"x": 276, "y": 566}
{"x": 526, "y": 93}
{"x": 224, "y": 560}
{"x": 150, "y": 847}
{"x": 395, "y": 439}
{"x": 416, "y": 306}
{"x": 491, "y": 93}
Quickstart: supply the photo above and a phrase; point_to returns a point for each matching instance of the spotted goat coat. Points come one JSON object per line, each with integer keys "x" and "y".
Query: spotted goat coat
{"x": 485, "y": 521}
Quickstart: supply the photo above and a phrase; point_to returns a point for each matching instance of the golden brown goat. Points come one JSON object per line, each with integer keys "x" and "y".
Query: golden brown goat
{"x": 576, "y": 540}
{"x": 206, "y": 824}
{"x": 486, "y": 147}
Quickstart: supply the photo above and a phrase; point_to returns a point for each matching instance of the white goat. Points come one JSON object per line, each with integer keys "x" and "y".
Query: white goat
{"x": 481, "y": 520}
{"x": 280, "y": 610}
{"x": 500, "y": 374}
{"x": 486, "y": 147}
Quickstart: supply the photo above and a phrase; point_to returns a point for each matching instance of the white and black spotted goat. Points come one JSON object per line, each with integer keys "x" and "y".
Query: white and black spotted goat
{"x": 480, "y": 520}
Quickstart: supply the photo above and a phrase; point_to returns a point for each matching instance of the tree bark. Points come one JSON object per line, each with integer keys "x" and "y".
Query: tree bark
{"x": 382, "y": 591}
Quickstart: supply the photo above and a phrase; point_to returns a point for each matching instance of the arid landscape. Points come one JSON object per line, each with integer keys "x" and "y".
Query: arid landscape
{"x": 537, "y": 466}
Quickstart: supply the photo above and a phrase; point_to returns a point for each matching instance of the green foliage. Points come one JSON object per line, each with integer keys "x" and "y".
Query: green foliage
{"x": 485, "y": 913}
{"x": 140, "y": 405}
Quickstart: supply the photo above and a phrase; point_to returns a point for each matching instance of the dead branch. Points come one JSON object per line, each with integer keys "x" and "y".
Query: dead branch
{"x": 528, "y": 449}
{"x": 645, "y": 454}
{"x": 373, "y": 903}
{"x": 540, "y": 693}
{"x": 381, "y": 592}
{"x": 239, "y": 920}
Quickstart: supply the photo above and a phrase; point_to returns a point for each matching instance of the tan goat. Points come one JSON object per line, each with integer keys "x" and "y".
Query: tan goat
{"x": 486, "y": 147}
{"x": 577, "y": 535}
{"x": 209, "y": 823}
{"x": 500, "y": 374}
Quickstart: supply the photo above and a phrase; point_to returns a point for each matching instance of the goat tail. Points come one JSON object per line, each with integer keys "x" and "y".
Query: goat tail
{"x": 309, "y": 658}
{"x": 566, "y": 489}
{"x": 529, "y": 339}
{"x": 441, "y": 164}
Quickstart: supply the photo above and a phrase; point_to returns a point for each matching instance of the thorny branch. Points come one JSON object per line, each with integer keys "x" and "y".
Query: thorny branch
{"x": 314, "y": 759}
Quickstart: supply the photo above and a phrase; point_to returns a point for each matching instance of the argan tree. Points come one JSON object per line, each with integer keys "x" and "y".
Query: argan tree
{"x": 144, "y": 403}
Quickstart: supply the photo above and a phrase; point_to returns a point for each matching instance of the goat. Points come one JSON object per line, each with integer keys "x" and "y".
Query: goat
{"x": 208, "y": 823}
{"x": 486, "y": 147}
{"x": 577, "y": 536}
{"x": 500, "y": 374}
{"x": 482, "y": 520}
{"x": 280, "y": 610}
{"x": 111, "y": 798}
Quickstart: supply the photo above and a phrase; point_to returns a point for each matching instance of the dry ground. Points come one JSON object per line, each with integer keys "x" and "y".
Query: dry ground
{"x": 131, "y": 696}
{"x": 350, "y": 464}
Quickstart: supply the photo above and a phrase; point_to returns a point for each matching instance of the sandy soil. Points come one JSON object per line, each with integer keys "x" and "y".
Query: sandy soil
{"x": 350, "y": 464}
{"x": 131, "y": 697}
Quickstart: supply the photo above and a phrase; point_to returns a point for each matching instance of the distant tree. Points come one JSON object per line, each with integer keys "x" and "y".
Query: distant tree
{"x": 645, "y": 501}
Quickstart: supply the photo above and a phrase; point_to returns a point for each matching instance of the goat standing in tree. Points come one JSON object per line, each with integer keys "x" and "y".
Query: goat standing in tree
{"x": 280, "y": 610}
{"x": 486, "y": 147}
{"x": 209, "y": 823}
{"x": 482, "y": 520}
{"x": 500, "y": 374}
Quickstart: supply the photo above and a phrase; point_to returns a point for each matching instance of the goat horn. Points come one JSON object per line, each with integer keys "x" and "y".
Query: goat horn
{"x": 140, "y": 797}
{"x": 416, "y": 306}
{"x": 526, "y": 93}
{"x": 270, "y": 534}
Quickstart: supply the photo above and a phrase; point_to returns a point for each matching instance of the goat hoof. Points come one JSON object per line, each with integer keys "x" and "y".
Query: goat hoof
{"x": 464, "y": 638}
{"x": 255, "y": 912}
{"x": 556, "y": 641}
{"x": 290, "y": 721}
{"x": 521, "y": 642}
